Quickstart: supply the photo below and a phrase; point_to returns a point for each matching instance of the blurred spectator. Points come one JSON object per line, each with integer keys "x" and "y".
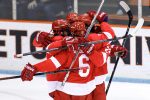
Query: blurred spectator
{"x": 6, "y": 9}
{"x": 48, "y": 9}
{"x": 69, "y": 5}
{"x": 22, "y": 10}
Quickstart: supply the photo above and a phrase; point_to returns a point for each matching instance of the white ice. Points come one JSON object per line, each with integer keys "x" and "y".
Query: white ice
{"x": 15, "y": 89}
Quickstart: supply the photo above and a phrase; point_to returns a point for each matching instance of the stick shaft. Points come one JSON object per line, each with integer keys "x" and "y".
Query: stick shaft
{"x": 107, "y": 40}
{"x": 37, "y": 74}
{"x": 82, "y": 44}
{"x": 93, "y": 20}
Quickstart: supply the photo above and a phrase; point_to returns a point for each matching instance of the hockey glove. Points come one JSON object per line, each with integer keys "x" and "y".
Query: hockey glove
{"x": 72, "y": 43}
{"x": 43, "y": 38}
{"x": 102, "y": 16}
{"x": 28, "y": 72}
{"x": 88, "y": 49}
{"x": 117, "y": 50}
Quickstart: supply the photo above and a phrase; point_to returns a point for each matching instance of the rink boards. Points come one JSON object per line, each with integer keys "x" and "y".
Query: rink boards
{"x": 17, "y": 37}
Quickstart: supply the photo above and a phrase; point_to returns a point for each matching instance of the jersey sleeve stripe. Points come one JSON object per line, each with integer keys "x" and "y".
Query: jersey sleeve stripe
{"x": 55, "y": 61}
{"x": 48, "y": 46}
{"x": 104, "y": 57}
{"x": 37, "y": 36}
{"x": 109, "y": 36}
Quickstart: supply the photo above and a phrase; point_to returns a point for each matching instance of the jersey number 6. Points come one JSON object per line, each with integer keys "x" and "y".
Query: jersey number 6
{"x": 81, "y": 64}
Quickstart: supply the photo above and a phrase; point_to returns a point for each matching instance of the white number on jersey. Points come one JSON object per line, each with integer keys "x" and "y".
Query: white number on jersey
{"x": 81, "y": 64}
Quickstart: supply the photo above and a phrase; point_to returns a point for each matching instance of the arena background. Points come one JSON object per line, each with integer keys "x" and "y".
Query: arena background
{"x": 20, "y": 19}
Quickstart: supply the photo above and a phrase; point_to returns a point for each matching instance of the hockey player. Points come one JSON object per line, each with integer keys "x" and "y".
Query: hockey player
{"x": 86, "y": 18}
{"x": 80, "y": 83}
{"x": 59, "y": 29}
{"x": 44, "y": 39}
{"x": 72, "y": 17}
{"x": 87, "y": 54}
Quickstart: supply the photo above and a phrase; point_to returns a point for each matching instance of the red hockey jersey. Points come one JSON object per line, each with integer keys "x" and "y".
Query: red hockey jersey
{"x": 80, "y": 82}
{"x": 107, "y": 33}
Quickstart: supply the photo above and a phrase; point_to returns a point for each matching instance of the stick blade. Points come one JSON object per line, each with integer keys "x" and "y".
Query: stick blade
{"x": 138, "y": 26}
{"x": 124, "y": 6}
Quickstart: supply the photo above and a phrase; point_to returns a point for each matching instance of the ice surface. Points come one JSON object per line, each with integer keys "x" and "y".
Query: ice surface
{"x": 15, "y": 89}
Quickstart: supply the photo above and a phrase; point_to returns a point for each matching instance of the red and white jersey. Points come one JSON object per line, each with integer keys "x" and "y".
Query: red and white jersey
{"x": 79, "y": 82}
{"x": 51, "y": 78}
{"x": 107, "y": 33}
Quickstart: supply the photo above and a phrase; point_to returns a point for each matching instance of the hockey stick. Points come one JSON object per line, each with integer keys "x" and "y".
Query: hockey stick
{"x": 65, "y": 47}
{"x": 64, "y": 70}
{"x": 136, "y": 29}
{"x": 133, "y": 33}
{"x": 52, "y": 72}
{"x": 107, "y": 40}
{"x": 87, "y": 33}
{"x": 37, "y": 52}
{"x": 130, "y": 16}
